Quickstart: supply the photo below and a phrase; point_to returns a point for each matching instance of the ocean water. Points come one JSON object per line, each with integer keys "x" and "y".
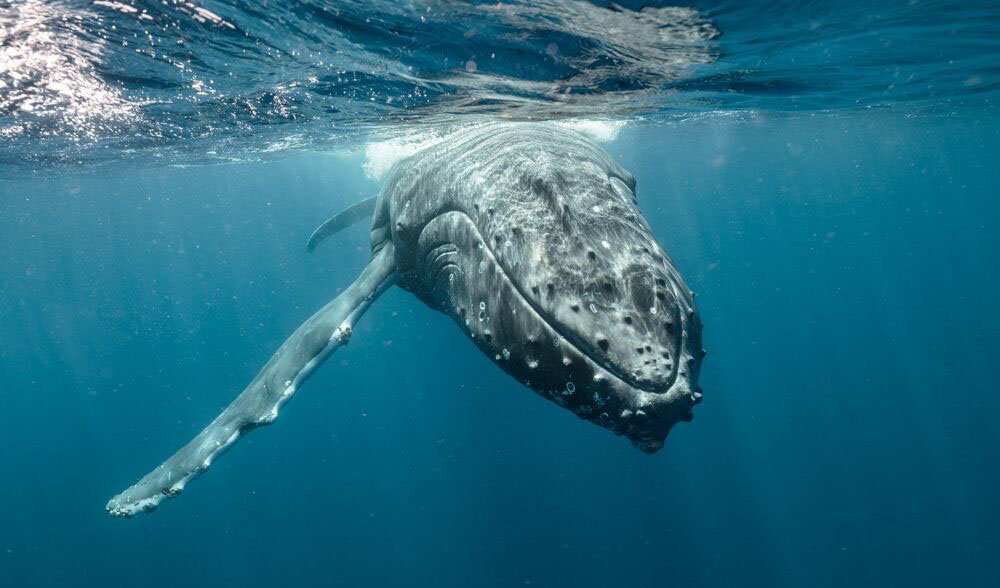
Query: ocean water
{"x": 824, "y": 175}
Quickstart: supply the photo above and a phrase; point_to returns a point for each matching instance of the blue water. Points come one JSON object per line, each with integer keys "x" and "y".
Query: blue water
{"x": 823, "y": 175}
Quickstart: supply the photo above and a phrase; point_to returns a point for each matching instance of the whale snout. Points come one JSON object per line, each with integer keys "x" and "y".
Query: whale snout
{"x": 630, "y": 322}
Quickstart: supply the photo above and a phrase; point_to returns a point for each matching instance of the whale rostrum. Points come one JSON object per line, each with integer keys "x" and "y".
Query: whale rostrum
{"x": 529, "y": 236}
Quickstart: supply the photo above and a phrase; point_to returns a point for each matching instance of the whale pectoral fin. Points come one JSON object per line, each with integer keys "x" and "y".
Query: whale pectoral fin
{"x": 259, "y": 403}
{"x": 343, "y": 219}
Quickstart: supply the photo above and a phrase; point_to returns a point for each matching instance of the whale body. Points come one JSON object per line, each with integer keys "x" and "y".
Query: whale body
{"x": 529, "y": 236}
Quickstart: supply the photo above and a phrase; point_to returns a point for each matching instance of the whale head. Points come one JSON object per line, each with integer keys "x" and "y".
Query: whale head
{"x": 539, "y": 252}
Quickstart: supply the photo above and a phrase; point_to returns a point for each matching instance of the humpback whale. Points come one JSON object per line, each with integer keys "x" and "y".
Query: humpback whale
{"x": 529, "y": 236}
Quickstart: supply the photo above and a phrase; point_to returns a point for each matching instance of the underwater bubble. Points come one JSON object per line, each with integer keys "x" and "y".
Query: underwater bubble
{"x": 570, "y": 387}
{"x": 506, "y": 353}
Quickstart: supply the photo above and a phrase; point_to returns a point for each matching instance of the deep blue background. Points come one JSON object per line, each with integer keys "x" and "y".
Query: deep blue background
{"x": 847, "y": 269}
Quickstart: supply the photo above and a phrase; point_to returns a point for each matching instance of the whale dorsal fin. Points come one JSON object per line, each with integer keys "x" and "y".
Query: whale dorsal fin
{"x": 343, "y": 219}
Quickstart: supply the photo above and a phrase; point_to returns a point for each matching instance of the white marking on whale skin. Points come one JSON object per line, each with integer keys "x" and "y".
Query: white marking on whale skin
{"x": 342, "y": 334}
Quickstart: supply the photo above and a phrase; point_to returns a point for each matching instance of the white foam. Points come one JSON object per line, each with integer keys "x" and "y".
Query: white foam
{"x": 380, "y": 156}
{"x": 602, "y": 131}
